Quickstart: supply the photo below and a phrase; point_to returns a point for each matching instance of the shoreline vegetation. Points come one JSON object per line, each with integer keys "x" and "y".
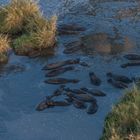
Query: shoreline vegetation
{"x": 123, "y": 122}
{"x": 24, "y": 29}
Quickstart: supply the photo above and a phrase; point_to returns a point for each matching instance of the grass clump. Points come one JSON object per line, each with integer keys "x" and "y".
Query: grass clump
{"x": 4, "y": 47}
{"x": 17, "y": 13}
{"x": 123, "y": 123}
{"x": 24, "y": 22}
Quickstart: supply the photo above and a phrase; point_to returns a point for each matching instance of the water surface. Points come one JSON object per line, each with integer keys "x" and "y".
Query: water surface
{"x": 21, "y": 91}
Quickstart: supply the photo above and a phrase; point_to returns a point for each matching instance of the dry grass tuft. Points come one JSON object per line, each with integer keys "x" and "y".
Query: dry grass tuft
{"x": 17, "y": 12}
{"x": 4, "y": 47}
{"x": 24, "y": 19}
{"x": 4, "y": 44}
{"x": 45, "y": 35}
{"x": 123, "y": 123}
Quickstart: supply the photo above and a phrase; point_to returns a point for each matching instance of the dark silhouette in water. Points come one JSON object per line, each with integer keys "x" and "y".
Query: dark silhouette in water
{"x": 59, "y": 71}
{"x": 117, "y": 84}
{"x": 94, "y": 79}
{"x": 92, "y": 108}
{"x": 117, "y": 77}
{"x": 130, "y": 64}
{"x": 94, "y": 92}
{"x": 61, "y": 81}
{"x": 60, "y": 64}
{"x": 132, "y": 56}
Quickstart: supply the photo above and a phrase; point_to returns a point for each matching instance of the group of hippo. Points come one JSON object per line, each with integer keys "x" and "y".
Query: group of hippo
{"x": 83, "y": 97}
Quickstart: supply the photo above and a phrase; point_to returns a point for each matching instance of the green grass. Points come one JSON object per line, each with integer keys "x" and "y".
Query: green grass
{"x": 123, "y": 123}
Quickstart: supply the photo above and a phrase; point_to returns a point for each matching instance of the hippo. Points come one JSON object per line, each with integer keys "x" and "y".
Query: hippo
{"x": 67, "y": 32}
{"x": 92, "y": 108}
{"x": 132, "y": 56}
{"x": 60, "y": 64}
{"x": 117, "y": 84}
{"x": 94, "y": 92}
{"x": 61, "y": 81}
{"x": 84, "y": 64}
{"x": 60, "y": 103}
{"x": 82, "y": 97}
{"x": 72, "y": 49}
{"x": 42, "y": 106}
{"x": 94, "y": 79}
{"x": 71, "y": 27}
{"x": 50, "y": 103}
{"x": 76, "y": 91}
{"x": 78, "y": 104}
{"x": 130, "y": 64}
{"x": 58, "y": 71}
{"x": 121, "y": 78}
{"x": 59, "y": 91}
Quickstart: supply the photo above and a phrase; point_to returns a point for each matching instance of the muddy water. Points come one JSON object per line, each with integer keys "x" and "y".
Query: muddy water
{"x": 23, "y": 88}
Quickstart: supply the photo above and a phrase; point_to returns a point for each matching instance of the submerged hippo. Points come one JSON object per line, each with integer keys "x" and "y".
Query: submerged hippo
{"x": 130, "y": 64}
{"x": 94, "y": 79}
{"x": 58, "y": 71}
{"x": 70, "y": 29}
{"x": 76, "y": 91}
{"x": 94, "y": 92}
{"x": 84, "y": 64}
{"x": 42, "y": 106}
{"x": 92, "y": 108}
{"x": 59, "y": 91}
{"x": 78, "y": 103}
{"x": 61, "y": 81}
{"x": 72, "y": 49}
{"x": 82, "y": 97}
{"x": 49, "y": 103}
{"x": 132, "y": 56}
{"x": 117, "y": 84}
{"x": 117, "y": 77}
{"x": 60, "y": 64}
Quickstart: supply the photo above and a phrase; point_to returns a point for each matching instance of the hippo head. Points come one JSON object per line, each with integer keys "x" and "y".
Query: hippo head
{"x": 43, "y": 105}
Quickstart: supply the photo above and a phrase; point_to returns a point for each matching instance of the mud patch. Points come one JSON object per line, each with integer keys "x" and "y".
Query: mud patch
{"x": 104, "y": 43}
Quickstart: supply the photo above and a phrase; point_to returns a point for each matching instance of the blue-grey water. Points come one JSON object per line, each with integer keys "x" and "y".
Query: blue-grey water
{"x": 22, "y": 90}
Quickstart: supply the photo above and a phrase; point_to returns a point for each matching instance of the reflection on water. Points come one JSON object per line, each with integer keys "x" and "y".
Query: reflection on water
{"x": 103, "y": 43}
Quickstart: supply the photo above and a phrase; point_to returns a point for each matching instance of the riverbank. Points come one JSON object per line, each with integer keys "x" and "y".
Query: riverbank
{"x": 123, "y": 123}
